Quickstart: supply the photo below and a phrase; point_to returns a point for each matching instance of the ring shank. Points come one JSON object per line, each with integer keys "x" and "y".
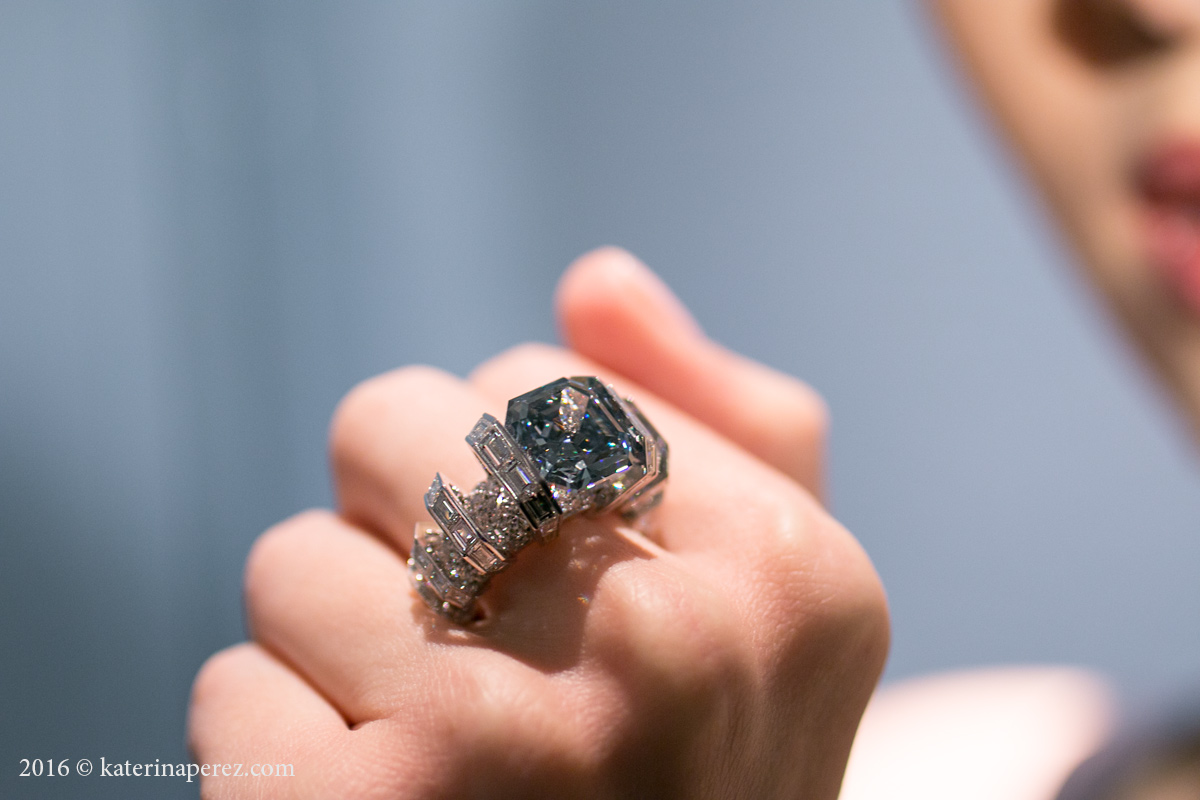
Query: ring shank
{"x": 478, "y": 534}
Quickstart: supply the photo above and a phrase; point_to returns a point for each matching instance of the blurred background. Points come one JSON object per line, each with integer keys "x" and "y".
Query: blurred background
{"x": 216, "y": 217}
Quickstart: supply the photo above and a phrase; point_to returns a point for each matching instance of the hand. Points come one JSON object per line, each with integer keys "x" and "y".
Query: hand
{"x": 729, "y": 652}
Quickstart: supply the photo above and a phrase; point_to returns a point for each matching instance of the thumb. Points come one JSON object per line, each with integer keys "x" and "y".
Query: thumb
{"x": 614, "y": 310}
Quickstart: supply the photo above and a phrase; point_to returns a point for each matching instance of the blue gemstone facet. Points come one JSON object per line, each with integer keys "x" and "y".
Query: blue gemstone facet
{"x": 576, "y": 432}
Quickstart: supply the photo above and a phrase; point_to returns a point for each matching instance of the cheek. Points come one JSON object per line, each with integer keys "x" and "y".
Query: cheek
{"x": 1068, "y": 122}
{"x": 1079, "y": 130}
{"x": 1065, "y": 116}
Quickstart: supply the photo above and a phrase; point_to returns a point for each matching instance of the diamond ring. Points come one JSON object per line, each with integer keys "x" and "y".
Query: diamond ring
{"x": 570, "y": 447}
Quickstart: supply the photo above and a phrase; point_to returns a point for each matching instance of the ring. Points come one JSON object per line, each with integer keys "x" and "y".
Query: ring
{"x": 573, "y": 446}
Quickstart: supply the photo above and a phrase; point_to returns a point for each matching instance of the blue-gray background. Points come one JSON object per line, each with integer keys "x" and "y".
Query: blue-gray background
{"x": 216, "y": 217}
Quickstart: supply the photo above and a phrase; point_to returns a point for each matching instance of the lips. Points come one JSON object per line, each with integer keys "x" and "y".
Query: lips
{"x": 1170, "y": 184}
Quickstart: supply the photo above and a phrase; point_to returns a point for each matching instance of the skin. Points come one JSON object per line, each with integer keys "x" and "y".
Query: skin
{"x": 672, "y": 680}
{"x": 1086, "y": 91}
{"x": 727, "y": 651}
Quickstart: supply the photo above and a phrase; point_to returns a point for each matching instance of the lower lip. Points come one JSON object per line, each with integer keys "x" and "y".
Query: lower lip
{"x": 1170, "y": 185}
{"x": 1173, "y": 238}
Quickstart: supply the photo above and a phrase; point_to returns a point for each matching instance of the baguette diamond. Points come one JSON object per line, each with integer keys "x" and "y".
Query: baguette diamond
{"x": 568, "y": 447}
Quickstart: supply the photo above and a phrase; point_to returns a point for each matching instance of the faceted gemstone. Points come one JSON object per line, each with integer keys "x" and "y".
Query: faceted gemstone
{"x": 446, "y": 582}
{"x": 507, "y": 462}
{"x": 577, "y": 434}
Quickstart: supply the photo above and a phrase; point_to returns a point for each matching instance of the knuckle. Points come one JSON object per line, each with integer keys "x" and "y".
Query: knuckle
{"x": 516, "y": 726}
{"x": 357, "y": 416}
{"x": 504, "y": 704}
{"x": 675, "y": 664}
{"x": 815, "y": 582}
{"x": 270, "y": 551}
{"x": 216, "y": 673}
{"x": 526, "y": 359}
{"x": 676, "y": 628}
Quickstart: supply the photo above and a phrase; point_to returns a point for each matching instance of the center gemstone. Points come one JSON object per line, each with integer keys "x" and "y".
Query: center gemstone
{"x": 576, "y": 432}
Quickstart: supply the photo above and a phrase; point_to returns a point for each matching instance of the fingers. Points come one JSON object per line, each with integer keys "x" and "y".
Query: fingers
{"x": 334, "y": 603}
{"x": 390, "y": 435}
{"x": 776, "y": 553}
{"x": 711, "y": 481}
{"x": 249, "y": 709}
{"x": 614, "y": 310}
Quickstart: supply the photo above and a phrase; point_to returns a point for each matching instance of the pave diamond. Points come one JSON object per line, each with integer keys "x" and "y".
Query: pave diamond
{"x": 438, "y": 572}
{"x": 507, "y": 463}
{"x": 578, "y": 435}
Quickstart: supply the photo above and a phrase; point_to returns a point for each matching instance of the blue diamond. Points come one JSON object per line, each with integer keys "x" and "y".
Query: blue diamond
{"x": 577, "y": 433}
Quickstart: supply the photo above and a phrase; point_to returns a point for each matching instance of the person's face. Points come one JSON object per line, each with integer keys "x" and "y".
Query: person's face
{"x": 1102, "y": 98}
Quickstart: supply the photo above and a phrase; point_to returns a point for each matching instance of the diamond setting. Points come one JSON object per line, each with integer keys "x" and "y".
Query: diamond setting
{"x": 503, "y": 458}
{"x": 579, "y": 435}
{"x": 571, "y": 446}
